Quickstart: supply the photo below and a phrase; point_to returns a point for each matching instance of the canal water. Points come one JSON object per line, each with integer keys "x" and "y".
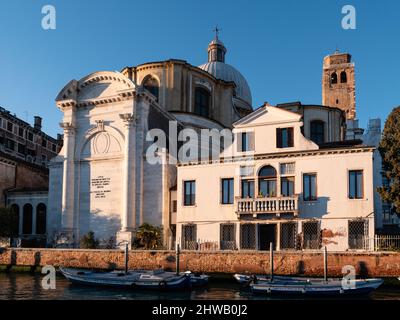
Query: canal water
{"x": 22, "y": 286}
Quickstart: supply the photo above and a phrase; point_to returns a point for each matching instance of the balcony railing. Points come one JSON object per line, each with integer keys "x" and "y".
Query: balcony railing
{"x": 275, "y": 205}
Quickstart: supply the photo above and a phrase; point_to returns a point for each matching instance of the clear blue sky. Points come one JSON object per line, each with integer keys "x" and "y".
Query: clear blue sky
{"x": 277, "y": 45}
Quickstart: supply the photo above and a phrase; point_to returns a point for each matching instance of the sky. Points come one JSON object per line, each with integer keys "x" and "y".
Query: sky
{"x": 277, "y": 45}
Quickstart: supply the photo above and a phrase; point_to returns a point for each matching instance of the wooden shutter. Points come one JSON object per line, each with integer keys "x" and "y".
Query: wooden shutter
{"x": 251, "y": 140}
{"x": 239, "y": 141}
{"x": 278, "y": 137}
{"x": 290, "y": 137}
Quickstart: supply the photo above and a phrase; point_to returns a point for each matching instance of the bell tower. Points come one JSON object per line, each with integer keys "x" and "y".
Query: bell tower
{"x": 338, "y": 85}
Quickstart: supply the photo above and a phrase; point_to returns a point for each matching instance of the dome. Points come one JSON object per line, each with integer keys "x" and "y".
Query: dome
{"x": 219, "y": 69}
{"x": 226, "y": 72}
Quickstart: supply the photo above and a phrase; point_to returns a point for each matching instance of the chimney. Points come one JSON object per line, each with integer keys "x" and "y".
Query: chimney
{"x": 38, "y": 123}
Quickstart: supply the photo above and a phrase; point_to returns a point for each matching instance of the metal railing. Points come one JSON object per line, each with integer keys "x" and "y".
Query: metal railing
{"x": 267, "y": 205}
{"x": 386, "y": 243}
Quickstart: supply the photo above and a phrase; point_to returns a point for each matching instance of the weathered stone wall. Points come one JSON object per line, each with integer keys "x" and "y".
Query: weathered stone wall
{"x": 289, "y": 263}
{"x": 19, "y": 174}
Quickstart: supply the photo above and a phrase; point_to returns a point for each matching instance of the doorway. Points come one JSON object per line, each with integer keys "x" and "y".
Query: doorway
{"x": 266, "y": 234}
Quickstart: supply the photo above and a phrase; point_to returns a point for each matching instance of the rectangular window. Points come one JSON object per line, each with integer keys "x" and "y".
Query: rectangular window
{"x": 247, "y": 188}
{"x": 247, "y": 141}
{"x": 227, "y": 236}
{"x": 248, "y": 236}
{"x": 44, "y": 143}
{"x": 53, "y": 148}
{"x": 311, "y": 235}
{"x": 9, "y": 126}
{"x": 21, "y": 148}
{"x": 189, "y": 193}
{"x": 189, "y": 235}
{"x": 21, "y": 132}
{"x": 287, "y": 186}
{"x": 284, "y": 137}
{"x": 358, "y": 231}
{"x": 227, "y": 191}
{"x": 310, "y": 187}
{"x": 10, "y": 144}
{"x": 287, "y": 168}
{"x": 30, "y": 136}
{"x": 356, "y": 184}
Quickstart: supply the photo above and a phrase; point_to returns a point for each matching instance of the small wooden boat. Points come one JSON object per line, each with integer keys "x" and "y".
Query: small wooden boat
{"x": 314, "y": 287}
{"x": 138, "y": 279}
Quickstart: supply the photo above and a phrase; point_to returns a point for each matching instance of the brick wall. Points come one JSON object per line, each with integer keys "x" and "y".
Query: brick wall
{"x": 368, "y": 264}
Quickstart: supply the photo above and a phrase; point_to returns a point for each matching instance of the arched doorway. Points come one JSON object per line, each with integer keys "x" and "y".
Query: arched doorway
{"x": 27, "y": 219}
{"x": 41, "y": 218}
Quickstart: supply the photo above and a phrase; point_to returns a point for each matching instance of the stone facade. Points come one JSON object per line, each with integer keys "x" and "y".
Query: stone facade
{"x": 16, "y": 174}
{"x": 338, "y": 83}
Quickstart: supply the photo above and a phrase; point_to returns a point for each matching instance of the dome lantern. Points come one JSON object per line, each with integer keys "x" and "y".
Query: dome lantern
{"x": 216, "y": 49}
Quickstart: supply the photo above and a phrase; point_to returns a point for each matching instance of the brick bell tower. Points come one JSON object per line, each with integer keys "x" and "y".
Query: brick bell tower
{"x": 338, "y": 84}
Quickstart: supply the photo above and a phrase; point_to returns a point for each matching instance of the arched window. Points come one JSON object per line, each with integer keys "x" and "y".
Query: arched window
{"x": 15, "y": 219}
{"x": 333, "y": 78}
{"x": 202, "y": 102}
{"x": 27, "y": 219}
{"x": 151, "y": 84}
{"x": 317, "y": 131}
{"x": 41, "y": 218}
{"x": 343, "y": 77}
{"x": 267, "y": 181}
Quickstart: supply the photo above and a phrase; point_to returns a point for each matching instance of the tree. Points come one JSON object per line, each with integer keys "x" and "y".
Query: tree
{"x": 8, "y": 223}
{"x": 148, "y": 236}
{"x": 88, "y": 241}
{"x": 389, "y": 148}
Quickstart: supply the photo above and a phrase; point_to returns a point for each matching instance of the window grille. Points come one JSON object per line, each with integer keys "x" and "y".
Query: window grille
{"x": 248, "y": 236}
{"x": 311, "y": 235}
{"x": 287, "y": 168}
{"x": 227, "y": 237}
{"x": 189, "y": 235}
{"x": 288, "y": 235}
{"x": 358, "y": 234}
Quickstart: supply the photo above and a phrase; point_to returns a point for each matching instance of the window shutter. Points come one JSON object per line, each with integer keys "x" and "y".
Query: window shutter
{"x": 278, "y": 138}
{"x": 239, "y": 141}
{"x": 290, "y": 137}
{"x": 251, "y": 140}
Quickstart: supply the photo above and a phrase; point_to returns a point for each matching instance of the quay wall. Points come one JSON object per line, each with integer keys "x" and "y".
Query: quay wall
{"x": 382, "y": 264}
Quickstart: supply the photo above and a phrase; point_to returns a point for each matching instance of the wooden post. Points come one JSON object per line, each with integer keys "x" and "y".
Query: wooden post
{"x": 126, "y": 257}
{"x": 177, "y": 259}
{"x": 325, "y": 264}
{"x": 271, "y": 261}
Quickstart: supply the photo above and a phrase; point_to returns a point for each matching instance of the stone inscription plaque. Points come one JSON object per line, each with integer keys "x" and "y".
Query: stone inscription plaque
{"x": 100, "y": 187}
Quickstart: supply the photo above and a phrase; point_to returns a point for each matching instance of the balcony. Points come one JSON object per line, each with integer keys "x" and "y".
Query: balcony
{"x": 264, "y": 205}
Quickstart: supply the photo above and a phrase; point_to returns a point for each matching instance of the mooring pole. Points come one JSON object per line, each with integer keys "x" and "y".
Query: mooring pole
{"x": 325, "y": 264}
{"x": 177, "y": 259}
{"x": 271, "y": 261}
{"x": 126, "y": 257}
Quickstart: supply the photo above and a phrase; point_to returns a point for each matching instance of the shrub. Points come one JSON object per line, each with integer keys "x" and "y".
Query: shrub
{"x": 88, "y": 241}
{"x": 148, "y": 236}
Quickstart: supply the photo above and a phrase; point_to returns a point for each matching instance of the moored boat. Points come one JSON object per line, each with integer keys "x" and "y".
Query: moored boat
{"x": 316, "y": 287}
{"x": 140, "y": 279}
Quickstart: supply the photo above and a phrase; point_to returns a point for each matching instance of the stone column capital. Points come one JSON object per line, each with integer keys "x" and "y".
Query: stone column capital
{"x": 129, "y": 119}
{"x": 69, "y": 128}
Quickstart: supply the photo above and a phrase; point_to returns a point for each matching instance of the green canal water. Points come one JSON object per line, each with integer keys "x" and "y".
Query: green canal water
{"x": 22, "y": 286}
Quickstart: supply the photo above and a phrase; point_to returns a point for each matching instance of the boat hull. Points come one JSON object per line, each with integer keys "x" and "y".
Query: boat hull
{"x": 133, "y": 280}
{"x": 316, "y": 288}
